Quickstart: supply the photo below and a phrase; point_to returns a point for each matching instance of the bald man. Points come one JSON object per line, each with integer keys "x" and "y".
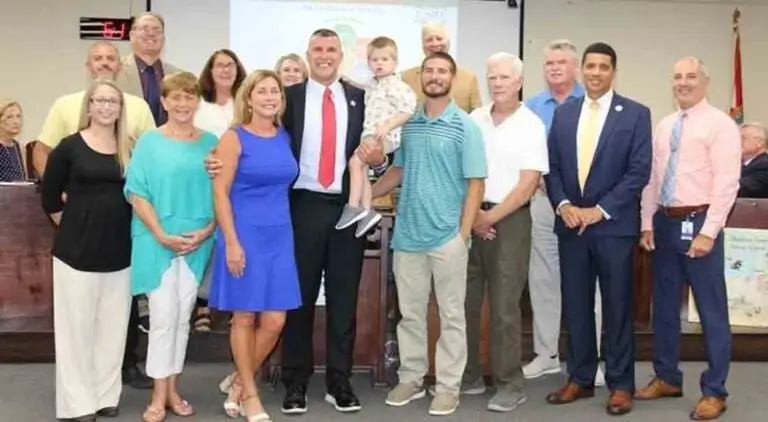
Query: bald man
{"x": 694, "y": 182}
{"x": 465, "y": 90}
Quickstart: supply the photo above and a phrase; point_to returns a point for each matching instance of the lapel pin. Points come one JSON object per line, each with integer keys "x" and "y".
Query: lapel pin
{"x": 352, "y": 103}
{"x": 619, "y": 108}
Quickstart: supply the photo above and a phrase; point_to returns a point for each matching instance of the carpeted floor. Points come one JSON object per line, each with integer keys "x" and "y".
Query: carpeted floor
{"x": 27, "y": 395}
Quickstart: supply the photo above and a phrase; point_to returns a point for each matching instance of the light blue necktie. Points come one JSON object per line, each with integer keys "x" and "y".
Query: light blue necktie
{"x": 668, "y": 185}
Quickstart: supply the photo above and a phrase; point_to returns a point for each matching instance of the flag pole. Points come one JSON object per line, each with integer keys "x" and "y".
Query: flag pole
{"x": 737, "y": 101}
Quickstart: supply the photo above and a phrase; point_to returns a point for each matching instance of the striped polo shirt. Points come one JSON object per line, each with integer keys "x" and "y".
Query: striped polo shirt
{"x": 437, "y": 157}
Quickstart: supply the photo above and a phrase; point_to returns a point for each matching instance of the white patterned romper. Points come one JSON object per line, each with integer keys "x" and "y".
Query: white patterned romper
{"x": 385, "y": 98}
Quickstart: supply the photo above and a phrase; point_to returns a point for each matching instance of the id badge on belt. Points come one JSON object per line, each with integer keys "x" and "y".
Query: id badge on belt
{"x": 686, "y": 230}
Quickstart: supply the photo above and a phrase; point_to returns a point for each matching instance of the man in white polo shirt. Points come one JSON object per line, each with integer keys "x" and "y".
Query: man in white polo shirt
{"x": 516, "y": 151}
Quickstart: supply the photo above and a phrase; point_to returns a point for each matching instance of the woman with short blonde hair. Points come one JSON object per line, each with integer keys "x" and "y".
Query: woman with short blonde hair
{"x": 291, "y": 69}
{"x": 11, "y": 159}
{"x": 91, "y": 256}
{"x": 170, "y": 191}
{"x": 258, "y": 170}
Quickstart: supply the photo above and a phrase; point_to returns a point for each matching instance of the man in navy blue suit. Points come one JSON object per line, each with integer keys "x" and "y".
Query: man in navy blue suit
{"x": 600, "y": 161}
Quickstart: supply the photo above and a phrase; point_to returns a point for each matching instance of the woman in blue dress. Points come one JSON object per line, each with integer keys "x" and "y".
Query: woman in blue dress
{"x": 254, "y": 269}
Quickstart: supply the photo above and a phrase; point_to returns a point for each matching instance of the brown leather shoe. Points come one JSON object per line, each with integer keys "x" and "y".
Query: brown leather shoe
{"x": 619, "y": 403}
{"x": 657, "y": 389}
{"x": 708, "y": 408}
{"x": 570, "y": 393}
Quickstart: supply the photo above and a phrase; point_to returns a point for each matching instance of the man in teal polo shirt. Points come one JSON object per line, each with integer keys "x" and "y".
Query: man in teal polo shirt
{"x": 441, "y": 164}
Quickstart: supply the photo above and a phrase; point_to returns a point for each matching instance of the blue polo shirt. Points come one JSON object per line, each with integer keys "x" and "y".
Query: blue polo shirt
{"x": 544, "y": 104}
{"x": 437, "y": 157}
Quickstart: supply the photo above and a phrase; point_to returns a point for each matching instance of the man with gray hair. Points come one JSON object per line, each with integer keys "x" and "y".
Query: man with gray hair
{"x": 561, "y": 65}
{"x": 754, "y": 169}
{"x": 465, "y": 90}
{"x": 516, "y": 153}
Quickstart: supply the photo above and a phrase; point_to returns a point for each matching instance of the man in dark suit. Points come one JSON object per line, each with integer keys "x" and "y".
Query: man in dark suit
{"x": 600, "y": 161}
{"x": 754, "y": 170}
{"x": 324, "y": 117}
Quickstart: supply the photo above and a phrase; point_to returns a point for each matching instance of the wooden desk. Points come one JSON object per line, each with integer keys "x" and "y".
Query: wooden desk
{"x": 26, "y": 237}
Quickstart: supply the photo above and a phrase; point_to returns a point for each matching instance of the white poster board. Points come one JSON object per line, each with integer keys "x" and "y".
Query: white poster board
{"x": 746, "y": 277}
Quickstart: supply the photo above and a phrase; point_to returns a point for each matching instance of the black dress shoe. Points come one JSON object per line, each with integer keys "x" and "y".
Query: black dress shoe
{"x": 136, "y": 379}
{"x": 108, "y": 412}
{"x": 343, "y": 398}
{"x": 295, "y": 401}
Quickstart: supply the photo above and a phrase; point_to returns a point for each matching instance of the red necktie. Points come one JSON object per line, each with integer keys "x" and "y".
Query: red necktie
{"x": 327, "y": 170}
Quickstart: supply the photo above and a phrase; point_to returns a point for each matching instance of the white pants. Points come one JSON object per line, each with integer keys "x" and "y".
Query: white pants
{"x": 544, "y": 281}
{"x": 90, "y": 318}
{"x": 170, "y": 307}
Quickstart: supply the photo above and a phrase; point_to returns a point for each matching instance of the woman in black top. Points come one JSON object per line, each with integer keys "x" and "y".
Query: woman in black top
{"x": 11, "y": 163}
{"x": 83, "y": 191}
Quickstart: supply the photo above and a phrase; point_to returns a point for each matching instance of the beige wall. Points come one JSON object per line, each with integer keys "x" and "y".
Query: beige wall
{"x": 42, "y": 56}
{"x": 649, "y": 36}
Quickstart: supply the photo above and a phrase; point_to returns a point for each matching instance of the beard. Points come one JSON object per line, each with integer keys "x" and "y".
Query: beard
{"x": 441, "y": 92}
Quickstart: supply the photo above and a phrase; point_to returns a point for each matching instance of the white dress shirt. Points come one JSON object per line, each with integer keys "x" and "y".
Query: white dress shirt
{"x": 309, "y": 157}
{"x": 215, "y": 118}
{"x": 518, "y": 143}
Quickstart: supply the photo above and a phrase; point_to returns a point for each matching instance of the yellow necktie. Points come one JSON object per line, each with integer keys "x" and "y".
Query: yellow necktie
{"x": 587, "y": 143}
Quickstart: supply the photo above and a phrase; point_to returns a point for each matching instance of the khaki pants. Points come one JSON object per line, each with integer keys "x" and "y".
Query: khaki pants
{"x": 447, "y": 265}
{"x": 501, "y": 266}
{"x": 90, "y": 317}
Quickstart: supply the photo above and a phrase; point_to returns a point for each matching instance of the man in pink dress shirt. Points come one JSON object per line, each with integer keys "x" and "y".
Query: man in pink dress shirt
{"x": 694, "y": 180}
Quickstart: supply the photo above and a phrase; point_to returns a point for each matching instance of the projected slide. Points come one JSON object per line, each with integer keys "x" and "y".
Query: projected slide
{"x": 263, "y": 30}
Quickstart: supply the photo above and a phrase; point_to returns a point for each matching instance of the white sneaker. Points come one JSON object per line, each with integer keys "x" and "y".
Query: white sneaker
{"x": 540, "y": 366}
{"x": 599, "y": 377}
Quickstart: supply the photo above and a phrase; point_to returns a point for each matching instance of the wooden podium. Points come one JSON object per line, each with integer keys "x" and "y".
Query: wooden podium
{"x": 26, "y": 291}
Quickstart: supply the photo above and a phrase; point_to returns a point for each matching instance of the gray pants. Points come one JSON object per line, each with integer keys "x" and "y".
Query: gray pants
{"x": 414, "y": 272}
{"x": 544, "y": 281}
{"x": 500, "y": 264}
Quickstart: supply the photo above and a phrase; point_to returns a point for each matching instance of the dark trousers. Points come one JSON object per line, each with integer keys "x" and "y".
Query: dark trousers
{"x": 320, "y": 248}
{"x": 706, "y": 276}
{"x": 610, "y": 260}
{"x": 500, "y": 264}
{"x": 132, "y": 339}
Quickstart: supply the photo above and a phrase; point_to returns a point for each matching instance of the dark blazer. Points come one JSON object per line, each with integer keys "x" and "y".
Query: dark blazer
{"x": 293, "y": 121}
{"x": 754, "y": 178}
{"x": 620, "y": 169}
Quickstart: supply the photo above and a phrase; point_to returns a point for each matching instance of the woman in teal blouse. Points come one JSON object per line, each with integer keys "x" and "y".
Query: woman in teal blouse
{"x": 171, "y": 194}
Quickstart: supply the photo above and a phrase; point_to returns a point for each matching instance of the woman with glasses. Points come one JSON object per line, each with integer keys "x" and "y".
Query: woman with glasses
{"x": 91, "y": 256}
{"x": 219, "y": 81}
{"x": 172, "y": 199}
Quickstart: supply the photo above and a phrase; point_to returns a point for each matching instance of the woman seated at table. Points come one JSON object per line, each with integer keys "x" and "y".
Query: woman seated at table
{"x": 11, "y": 161}
{"x": 171, "y": 194}
{"x": 91, "y": 256}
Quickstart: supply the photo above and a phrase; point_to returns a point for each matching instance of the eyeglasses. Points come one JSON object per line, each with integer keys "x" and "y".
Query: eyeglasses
{"x": 228, "y": 66}
{"x": 106, "y": 102}
{"x": 149, "y": 29}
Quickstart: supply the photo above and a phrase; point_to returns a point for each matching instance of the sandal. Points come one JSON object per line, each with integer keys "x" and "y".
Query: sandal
{"x": 203, "y": 320}
{"x": 262, "y": 416}
{"x": 182, "y": 409}
{"x": 153, "y": 415}
{"x": 233, "y": 408}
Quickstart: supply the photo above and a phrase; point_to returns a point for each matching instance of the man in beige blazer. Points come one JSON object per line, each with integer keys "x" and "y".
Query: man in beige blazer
{"x": 144, "y": 69}
{"x": 465, "y": 89}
